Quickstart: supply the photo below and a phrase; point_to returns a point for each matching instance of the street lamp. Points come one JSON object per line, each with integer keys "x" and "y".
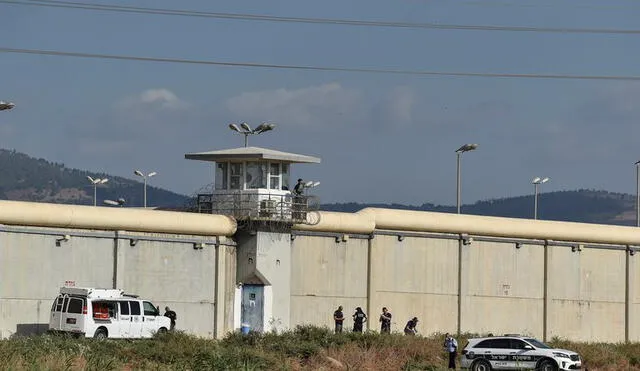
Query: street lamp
{"x": 246, "y": 130}
{"x": 459, "y": 152}
{"x": 536, "y": 182}
{"x": 141, "y": 174}
{"x": 6, "y": 105}
{"x": 637, "y": 193}
{"x": 95, "y": 183}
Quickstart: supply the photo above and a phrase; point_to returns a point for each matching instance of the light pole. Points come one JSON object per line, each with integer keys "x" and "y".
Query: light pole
{"x": 95, "y": 183}
{"x": 6, "y": 105}
{"x": 141, "y": 174}
{"x": 536, "y": 182}
{"x": 637, "y": 193}
{"x": 459, "y": 152}
{"x": 246, "y": 130}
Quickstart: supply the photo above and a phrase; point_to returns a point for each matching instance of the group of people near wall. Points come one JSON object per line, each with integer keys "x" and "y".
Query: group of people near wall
{"x": 359, "y": 319}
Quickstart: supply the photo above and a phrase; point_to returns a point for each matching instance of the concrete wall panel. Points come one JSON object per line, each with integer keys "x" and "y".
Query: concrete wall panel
{"x": 33, "y": 267}
{"x": 436, "y": 313}
{"x": 274, "y": 262}
{"x": 498, "y": 269}
{"x": 322, "y": 267}
{"x": 229, "y": 289}
{"x": 503, "y": 288}
{"x": 325, "y": 274}
{"x": 503, "y": 315}
{"x": 172, "y": 274}
{"x": 415, "y": 277}
{"x": 415, "y": 265}
{"x": 585, "y": 287}
{"x": 24, "y": 316}
{"x": 318, "y": 310}
{"x": 634, "y": 297}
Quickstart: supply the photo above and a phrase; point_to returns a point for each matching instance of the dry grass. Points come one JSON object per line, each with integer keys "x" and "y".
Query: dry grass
{"x": 305, "y": 348}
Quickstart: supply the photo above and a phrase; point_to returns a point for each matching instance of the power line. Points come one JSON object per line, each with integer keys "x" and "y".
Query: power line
{"x": 320, "y": 68}
{"x": 519, "y": 4}
{"x": 325, "y": 21}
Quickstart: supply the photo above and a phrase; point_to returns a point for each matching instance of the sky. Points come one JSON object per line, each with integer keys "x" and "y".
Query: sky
{"x": 381, "y": 137}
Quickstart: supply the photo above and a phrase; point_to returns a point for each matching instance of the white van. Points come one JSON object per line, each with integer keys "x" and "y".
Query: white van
{"x": 105, "y": 313}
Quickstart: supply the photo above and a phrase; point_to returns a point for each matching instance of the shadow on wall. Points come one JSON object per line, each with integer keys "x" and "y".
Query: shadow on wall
{"x": 28, "y": 329}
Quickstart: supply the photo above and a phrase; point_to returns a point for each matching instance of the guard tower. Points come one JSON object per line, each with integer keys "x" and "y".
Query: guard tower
{"x": 253, "y": 184}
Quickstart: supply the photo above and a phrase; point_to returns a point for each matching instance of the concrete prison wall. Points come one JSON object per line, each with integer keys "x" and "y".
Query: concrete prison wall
{"x": 469, "y": 274}
{"x": 190, "y": 273}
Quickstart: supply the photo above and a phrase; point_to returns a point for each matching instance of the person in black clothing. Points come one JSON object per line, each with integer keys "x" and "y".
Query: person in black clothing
{"x": 299, "y": 204}
{"x": 299, "y": 188}
{"x": 385, "y": 321}
{"x": 410, "y": 328}
{"x": 359, "y": 318}
{"x": 338, "y": 318}
{"x": 172, "y": 316}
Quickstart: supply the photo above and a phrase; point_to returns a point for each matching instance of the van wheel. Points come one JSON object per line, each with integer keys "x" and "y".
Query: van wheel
{"x": 162, "y": 331}
{"x": 547, "y": 365}
{"x": 481, "y": 365}
{"x": 100, "y": 334}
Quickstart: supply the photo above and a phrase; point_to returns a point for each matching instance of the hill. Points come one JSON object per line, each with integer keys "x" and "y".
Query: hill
{"x": 586, "y": 206}
{"x": 25, "y": 178}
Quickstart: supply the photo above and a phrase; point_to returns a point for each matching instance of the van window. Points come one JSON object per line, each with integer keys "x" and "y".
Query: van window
{"x": 150, "y": 309}
{"x": 135, "y": 308}
{"x": 124, "y": 308}
{"x": 57, "y": 304}
{"x": 64, "y": 303}
{"x": 75, "y": 305}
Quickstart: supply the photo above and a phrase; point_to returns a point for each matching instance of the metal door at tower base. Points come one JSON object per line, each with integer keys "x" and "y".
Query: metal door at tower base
{"x": 253, "y": 306}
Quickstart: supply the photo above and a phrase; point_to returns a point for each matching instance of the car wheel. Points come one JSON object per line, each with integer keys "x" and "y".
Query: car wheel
{"x": 481, "y": 365}
{"x": 162, "y": 330}
{"x": 100, "y": 334}
{"x": 547, "y": 365}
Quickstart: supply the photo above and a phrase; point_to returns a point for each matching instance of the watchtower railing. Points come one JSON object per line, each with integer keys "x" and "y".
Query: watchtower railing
{"x": 261, "y": 206}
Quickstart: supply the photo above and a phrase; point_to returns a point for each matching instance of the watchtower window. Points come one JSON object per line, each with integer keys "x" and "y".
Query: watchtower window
{"x": 274, "y": 176}
{"x": 256, "y": 175}
{"x": 285, "y": 176}
{"x": 222, "y": 172}
{"x": 235, "y": 179}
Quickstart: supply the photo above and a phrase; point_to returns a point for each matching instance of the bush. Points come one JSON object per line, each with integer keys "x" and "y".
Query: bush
{"x": 304, "y": 347}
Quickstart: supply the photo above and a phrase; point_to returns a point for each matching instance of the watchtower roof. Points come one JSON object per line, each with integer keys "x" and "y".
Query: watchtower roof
{"x": 252, "y": 154}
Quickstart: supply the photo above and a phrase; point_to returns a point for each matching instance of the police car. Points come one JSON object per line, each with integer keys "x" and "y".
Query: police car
{"x": 514, "y": 352}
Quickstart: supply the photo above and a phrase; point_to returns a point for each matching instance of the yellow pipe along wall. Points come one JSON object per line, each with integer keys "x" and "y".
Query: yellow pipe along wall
{"x": 105, "y": 218}
{"x": 367, "y": 220}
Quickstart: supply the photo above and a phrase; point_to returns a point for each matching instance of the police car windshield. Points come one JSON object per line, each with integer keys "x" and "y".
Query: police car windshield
{"x": 538, "y": 344}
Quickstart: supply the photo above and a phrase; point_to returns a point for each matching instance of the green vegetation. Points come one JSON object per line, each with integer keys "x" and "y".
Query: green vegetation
{"x": 26, "y": 178}
{"x": 306, "y": 347}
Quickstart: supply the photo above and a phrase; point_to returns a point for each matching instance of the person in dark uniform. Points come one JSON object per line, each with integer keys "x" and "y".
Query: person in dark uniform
{"x": 299, "y": 203}
{"x": 410, "y": 328}
{"x": 338, "y": 318}
{"x": 359, "y": 318}
{"x": 385, "y": 321}
{"x": 299, "y": 187}
{"x": 172, "y": 316}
